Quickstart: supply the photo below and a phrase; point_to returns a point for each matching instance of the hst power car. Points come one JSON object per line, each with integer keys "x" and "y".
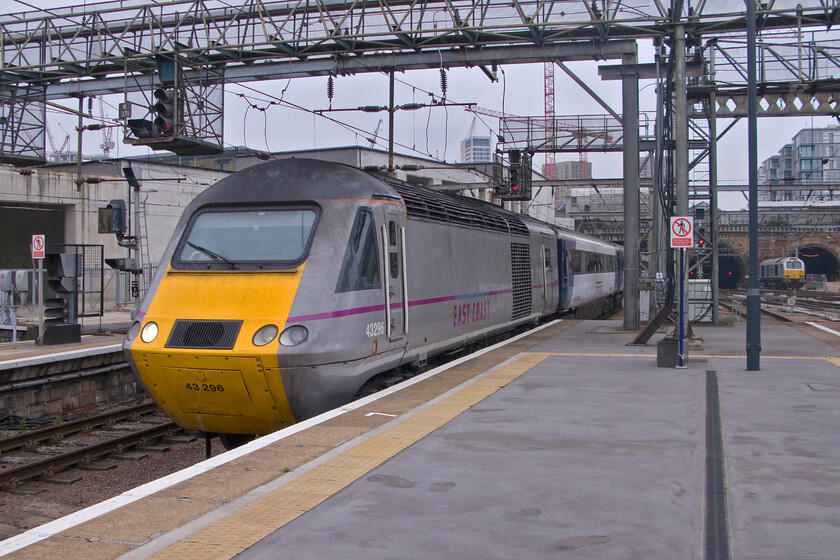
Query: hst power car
{"x": 289, "y": 285}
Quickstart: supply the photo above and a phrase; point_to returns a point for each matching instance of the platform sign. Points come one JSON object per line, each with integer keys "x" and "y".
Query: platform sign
{"x": 682, "y": 233}
{"x": 38, "y": 246}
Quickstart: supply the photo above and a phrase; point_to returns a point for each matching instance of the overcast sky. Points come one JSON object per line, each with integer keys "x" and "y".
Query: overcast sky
{"x": 435, "y": 132}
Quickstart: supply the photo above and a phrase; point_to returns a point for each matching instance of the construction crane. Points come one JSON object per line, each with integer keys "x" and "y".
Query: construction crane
{"x": 107, "y": 134}
{"x": 375, "y": 134}
{"x": 52, "y": 140}
{"x": 551, "y": 170}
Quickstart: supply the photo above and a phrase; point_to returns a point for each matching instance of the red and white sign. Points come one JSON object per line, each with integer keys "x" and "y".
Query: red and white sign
{"x": 39, "y": 246}
{"x": 682, "y": 233}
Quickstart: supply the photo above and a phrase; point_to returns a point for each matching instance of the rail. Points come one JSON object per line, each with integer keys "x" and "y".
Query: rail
{"x": 83, "y": 454}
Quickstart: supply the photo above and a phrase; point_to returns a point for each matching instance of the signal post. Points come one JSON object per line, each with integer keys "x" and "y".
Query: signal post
{"x": 682, "y": 237}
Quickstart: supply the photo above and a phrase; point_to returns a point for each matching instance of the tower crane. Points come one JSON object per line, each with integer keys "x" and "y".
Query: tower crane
{"x": 107, "y": 134}
{"x": 551, "y": 170}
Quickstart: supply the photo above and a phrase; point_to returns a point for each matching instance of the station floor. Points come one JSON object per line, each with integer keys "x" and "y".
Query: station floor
{"x": 104, "y": 333}
{"x": 565, "y": 443}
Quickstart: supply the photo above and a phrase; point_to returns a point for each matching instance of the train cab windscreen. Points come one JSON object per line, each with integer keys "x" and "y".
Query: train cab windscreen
{"x": 249, "y": 238}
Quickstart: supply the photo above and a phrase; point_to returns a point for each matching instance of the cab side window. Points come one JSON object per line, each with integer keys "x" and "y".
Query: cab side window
{"x": 360, "y": 268}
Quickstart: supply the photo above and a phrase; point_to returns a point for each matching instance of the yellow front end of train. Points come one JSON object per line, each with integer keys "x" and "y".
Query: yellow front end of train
{"x": 204, "y": 375}
{"x": 795, "y": 275}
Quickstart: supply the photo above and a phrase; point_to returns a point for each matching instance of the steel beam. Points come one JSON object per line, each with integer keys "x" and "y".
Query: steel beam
{"x": 788, "y": 100}
{"x": 630, "y": 121}
{"x": 753, "y": 295}
{"x": 680, "y": 123}
{"x": 453, "y": 58}
{"x": 713, "y": 208}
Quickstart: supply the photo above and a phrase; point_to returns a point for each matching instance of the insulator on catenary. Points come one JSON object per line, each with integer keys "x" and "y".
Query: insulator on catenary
{"x": 372, "y": 109}
{"x": 412, "y": 106}
{"x": 443, "y": 80}
{"x": 330, "y": 88}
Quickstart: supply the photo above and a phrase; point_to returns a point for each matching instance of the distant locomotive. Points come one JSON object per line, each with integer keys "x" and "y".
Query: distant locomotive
{"x": 289, "y": 285}
{"x": 785, "y": 272}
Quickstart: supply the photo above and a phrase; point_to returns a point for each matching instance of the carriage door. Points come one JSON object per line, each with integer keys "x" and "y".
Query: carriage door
{"x": 393, "y": 249}
{"x": 549, "y": 274}
{"x": 563, "y": 274}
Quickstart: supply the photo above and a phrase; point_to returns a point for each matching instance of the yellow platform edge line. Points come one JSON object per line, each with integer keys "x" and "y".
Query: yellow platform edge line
{"x": 719, "y": 356}
{"x": 236, "y": 532}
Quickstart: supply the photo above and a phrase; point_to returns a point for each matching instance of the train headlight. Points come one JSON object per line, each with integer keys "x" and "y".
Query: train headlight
{"x": 294, "y": 335}
{"x": 149, "y": 332}
{"x": 265, "y": 335}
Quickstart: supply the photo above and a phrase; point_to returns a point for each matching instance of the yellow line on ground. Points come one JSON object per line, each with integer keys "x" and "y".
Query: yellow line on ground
{"x": 763, "y": 357}
{"x": 234, "y": 533}
{"x": 603, "y": 354}
{"x": 728, "y": 356}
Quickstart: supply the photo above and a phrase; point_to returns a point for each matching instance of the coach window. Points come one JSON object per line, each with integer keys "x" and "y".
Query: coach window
{"x": 393, "y": 256}
{"x": 360, "y": 268}
{"x": 547, "y": 259}
{"x": 392, "y": 233}
{"x": 577, "y": 262}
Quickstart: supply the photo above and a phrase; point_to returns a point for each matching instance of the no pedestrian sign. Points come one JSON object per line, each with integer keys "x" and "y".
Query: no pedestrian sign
{"x": 38, "y": 246}
{"x": 681, "y": 232}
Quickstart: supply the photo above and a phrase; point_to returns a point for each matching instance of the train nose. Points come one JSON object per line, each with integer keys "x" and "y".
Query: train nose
{"x": 202, "y": 385}
{"x": 206, "y": 348}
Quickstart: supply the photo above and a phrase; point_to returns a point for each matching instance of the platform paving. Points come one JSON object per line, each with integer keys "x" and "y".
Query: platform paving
{"x": 597, "y": 453}
{"x": 577, "y": 446}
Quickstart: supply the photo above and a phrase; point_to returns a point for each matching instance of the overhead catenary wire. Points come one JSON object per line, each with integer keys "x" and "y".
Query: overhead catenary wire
{"x": 279, "y": 101}
{"x": 275, "y": 101}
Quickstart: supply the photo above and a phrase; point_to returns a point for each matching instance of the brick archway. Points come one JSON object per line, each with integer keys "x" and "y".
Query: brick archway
{"x": 820, "y": 258}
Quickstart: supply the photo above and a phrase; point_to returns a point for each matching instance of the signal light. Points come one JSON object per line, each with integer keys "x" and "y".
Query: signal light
{"x": 518, "y": 183}
{"x": 513, "y": 178}
{"x": 164, "y": 108}
{"x": 141, "y": 128}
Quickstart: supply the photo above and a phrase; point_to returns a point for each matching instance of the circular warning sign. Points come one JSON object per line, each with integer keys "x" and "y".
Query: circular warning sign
{"x": 681, "y": 232}
{"x": 39, "y": 246}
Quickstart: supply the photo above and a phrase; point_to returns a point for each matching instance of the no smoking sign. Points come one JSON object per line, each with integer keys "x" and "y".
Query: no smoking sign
{"x": 682, "y": 234}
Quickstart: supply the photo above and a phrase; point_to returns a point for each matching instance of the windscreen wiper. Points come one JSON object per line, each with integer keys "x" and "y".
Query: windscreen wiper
{"x": 213, "y": 254}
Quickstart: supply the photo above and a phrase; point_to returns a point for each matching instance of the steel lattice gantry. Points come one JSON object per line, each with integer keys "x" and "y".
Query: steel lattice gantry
{"x": 61, "y": 46}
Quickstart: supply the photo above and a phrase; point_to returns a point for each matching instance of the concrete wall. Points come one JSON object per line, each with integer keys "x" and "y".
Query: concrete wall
{"x": 167, "y": 189}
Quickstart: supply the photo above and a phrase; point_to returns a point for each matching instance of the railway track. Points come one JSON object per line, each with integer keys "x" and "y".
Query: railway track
{"x": 46, "y": 451}
{"x": 789, "y": 305}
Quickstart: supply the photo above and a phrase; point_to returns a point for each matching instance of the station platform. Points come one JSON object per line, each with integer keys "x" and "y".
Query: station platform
{"x": 99, "y": 334}
{"x": 564, "y": 442}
